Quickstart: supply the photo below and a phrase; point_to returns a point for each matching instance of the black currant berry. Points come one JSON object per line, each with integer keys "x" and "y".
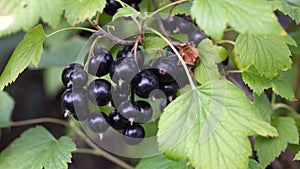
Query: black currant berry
{"x": 97, "y": 122}
{"x": 127, "y": 51}
{"x": 134, "y": 134}
{"x": 65, "y": 76}
{"x": 145, "y": 111}
{"x": 165, "y": 69}
{"x": 170, "y": 25}
{"x": 123, "y": 70}
{"x": 129, "y": 110}
{"x": 196, "y": 36}
{"x": 116, "y": 120}
{"x": 99, "y": 92}
{"x": 111, "y": 7}
{"x": 119, "y": 94}
{"x": 74, "y": 101}
{"x": 163, "y": 104}
{"x": 78, "y": 78}
{"x": 184, "y": 24}
{"x": 100, "y": 62}
{"x": 144, "y": 82}
{"x": 169, "y": 89}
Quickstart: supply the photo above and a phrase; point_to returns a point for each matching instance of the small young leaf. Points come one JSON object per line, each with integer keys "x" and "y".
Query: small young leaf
{"x": 259, "y": 83}
{"x": 37, "y": 148}
{"x": 268, "y": 53}
{"x": 161, "y": 162}
{"x": 270, "y": 148}
{"x": 254, "y": 164}
{"x": 254, "y": 16}
{"x": 28, "y": 50}
{"x": 207, "y": 70}
{"x": 125, "y": 12}
{"x": 77, "y": 11}
{"x": 6, "y": 107}
{"x": 209, "y": 127}
{"x": 287, "y": 8}
{"x": 154, "y": 43}
{"x": 183, "y": 8}
{"x": 24, "y": 14}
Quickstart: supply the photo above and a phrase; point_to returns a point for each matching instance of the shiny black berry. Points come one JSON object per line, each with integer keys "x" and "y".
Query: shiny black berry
{"x": 144, "y": 82}
{"x": 74, "y": 101}
{"x": 97, "y": 122}
{"x": 123, "y": 70}
{"x": 66, "y": 74}
{"x": 196, "y": 36}
{"x": 100, "y": 61}
{"x": 116, "y": 120}
{"x": 119, "y": 94}
{"x": 134, "y": 134}
{"x": 145, "y": 111}
{"x": 111, "y": 7}
{"x": 170, "y": 25}
{"x": 129, "y": 110}
{"x": 165, "y": 68}
{"x": 99, "y": 92}
{"x": 127, "y": 51}
{"x": 169, "y": 89}
{"x": 129, "y": 2}
{"x": 78, "y": 78}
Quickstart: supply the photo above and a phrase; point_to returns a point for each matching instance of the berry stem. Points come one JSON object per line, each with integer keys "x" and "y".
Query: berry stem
{"x": 177, "y": 54}
{"x": 234, "y": 71}
{"x": 225, "y": 42}
{"x": 70, "y": 28}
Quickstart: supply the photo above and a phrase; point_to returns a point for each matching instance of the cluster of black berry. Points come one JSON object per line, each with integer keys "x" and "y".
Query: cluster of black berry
{"x": 112, "y": 6}
{"x": 132, "y": 78}
{"x": 184, "y": 24}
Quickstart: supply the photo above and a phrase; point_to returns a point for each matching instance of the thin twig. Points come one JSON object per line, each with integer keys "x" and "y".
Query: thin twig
{"x": 159, "y": 21}
{"x": 297, "y": 84}
{"x": 39, "y": 120}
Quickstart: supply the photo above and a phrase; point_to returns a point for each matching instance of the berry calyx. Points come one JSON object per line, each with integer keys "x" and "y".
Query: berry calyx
{"x": 144, "y": 82}
{"x": 116, "y": 120}
{"x": 100, "y": 62}
{"x": 129, "y": 110}
{"x": 165, "y": 69}
{"x": 123, "y": 70}
{"x": 65, "y": 76}
{"x": 99, "y": 92}
{"x": 134, "y": 134}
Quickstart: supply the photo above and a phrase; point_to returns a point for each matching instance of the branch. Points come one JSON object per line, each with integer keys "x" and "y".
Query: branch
{"x": 297, "y": 84}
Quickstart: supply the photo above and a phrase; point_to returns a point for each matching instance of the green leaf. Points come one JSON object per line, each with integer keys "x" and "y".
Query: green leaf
{"x": 223, "y": 53}
{"x": 183, "y": 8}
{"x": 125, "y": 12}
{"x": 259, "y": 83}
{"x": 77, "y": 11}
{"x": 154, "y": 43}
{"x": 254, "y": 164}
{"x": 287, "y": 8}
{"x": 209, "y": 127}
{"x": 28, "y": 50}
{"x": 161, "y": 162}
{"x": 207, "y": 69}
{"x": 297, "y": 156}
{"x": 7, "y": 104}
{"x": 254, "y": 16}
{"x": 37, "y": 148}
{"x": 269, "y": 54}
{"x": 263, "y": 106}
{"x": 24, "y": 14}
{"x": 270, "y": 148}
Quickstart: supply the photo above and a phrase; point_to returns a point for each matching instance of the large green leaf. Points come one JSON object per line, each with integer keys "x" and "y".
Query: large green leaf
{"x": 254, "y": 164}
{"x": 37, "y": 148}
{"x": 269, "y": 148}
{"x": 263, "y": 106}
{"x": 28, "y": 51}
{"x": 254, "y": 16}
{"x": 209, "y": 126}
{"x": 24, "y": 14}
{"x": 267, "y": 53}
{"x": 207, "y": 69}
{"x": 161, "y": 162}
{"x": 287, "y": 8}
{"x": 259, "y": 83}
{"x": 6, "y": 107}
{"x": 153, "y": 43}
{"x": 77, "y": 11}
{"x": 183, "y": 8}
